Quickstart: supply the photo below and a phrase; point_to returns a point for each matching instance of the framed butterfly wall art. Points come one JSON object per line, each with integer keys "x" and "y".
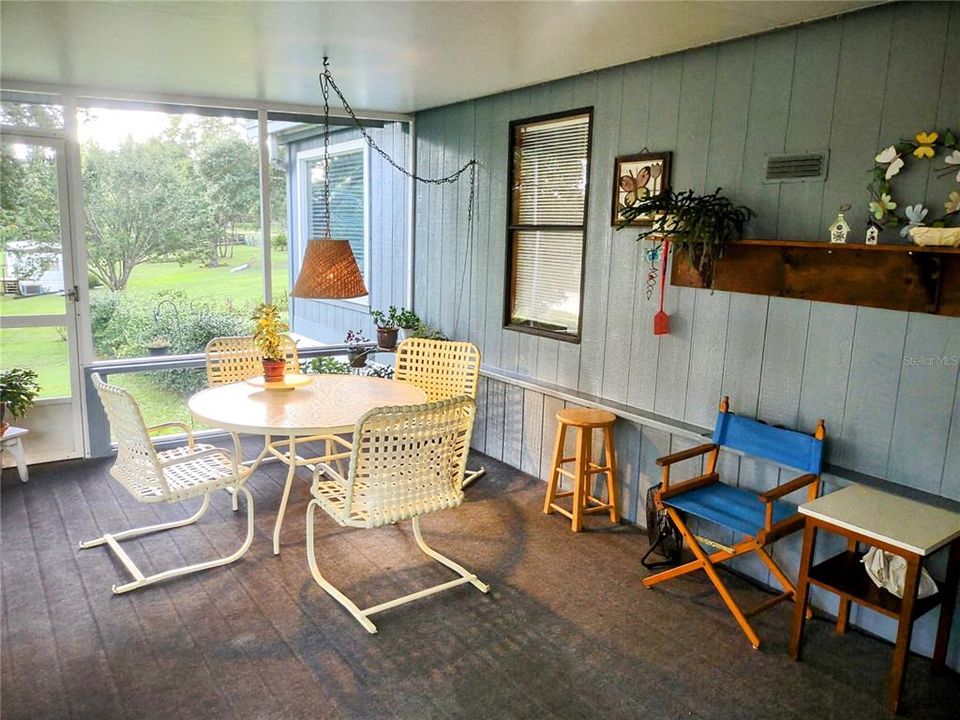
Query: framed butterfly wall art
{"x": 635, "y": 178}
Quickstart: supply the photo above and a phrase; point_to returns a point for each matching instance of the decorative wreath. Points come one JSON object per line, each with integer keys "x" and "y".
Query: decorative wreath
{"x": 888, "y": 164}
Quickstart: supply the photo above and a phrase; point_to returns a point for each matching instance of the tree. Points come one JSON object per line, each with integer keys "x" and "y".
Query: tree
{"x": 229, "y": 172}
{"x": 142, "y": 204}
{"x": 29, "y": 208}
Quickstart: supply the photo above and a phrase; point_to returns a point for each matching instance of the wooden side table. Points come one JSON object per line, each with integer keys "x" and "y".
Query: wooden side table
{"x": 904, "y": 527}
{"x": 12, "y": 441}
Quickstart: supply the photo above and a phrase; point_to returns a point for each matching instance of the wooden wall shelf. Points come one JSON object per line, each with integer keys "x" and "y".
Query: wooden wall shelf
{"x": 897, "y": 277}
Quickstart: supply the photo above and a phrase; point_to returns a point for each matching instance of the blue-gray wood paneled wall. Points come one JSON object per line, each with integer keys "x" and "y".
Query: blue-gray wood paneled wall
{"x": 884, "y": 381}
{"x": 328, "y": 321}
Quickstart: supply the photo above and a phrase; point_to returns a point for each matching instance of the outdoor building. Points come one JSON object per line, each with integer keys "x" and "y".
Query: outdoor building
{"x": 429, "y": 359}
{"x": 32, "y": 269}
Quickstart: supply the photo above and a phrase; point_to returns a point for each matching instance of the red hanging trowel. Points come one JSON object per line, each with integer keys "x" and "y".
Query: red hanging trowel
{"x": 661, "y": 321}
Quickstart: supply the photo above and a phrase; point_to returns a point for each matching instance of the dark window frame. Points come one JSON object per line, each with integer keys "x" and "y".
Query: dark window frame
{"x": 512, "y": 229}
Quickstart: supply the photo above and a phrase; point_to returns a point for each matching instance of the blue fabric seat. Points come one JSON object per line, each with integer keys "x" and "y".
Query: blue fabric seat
{"x": 738, "y": 509}
{"x": 731, "y": 507}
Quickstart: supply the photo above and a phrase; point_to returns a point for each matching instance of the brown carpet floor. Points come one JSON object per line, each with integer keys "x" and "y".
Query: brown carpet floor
{"x": 566, "y": 631}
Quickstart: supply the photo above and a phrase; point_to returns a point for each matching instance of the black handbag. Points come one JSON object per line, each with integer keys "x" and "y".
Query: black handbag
{"x": 664, "y": 537}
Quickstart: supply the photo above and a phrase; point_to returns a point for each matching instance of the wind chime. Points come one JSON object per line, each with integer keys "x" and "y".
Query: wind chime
{"x": 329, "y": 269}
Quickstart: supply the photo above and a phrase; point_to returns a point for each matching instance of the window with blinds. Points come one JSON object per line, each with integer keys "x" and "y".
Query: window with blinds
{"x": 548, "y": 191}
{"x": 347, "y": 200}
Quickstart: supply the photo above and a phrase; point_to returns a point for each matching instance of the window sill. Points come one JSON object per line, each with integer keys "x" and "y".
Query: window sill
{"x": 541, "y": 332}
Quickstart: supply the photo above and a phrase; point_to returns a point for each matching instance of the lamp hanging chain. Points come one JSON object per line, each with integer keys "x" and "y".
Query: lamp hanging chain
{"x": 327, "y": 81}
{"x": 325, "y": 89}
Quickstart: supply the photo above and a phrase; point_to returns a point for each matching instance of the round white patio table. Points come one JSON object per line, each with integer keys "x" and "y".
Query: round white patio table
{"x": 327, "y": 406}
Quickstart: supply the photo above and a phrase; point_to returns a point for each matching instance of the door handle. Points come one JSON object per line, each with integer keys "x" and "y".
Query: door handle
{"x": 73, "y": 294}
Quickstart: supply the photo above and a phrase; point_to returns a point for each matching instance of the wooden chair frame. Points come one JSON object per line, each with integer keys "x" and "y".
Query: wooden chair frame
{"x": 757, "y": 544}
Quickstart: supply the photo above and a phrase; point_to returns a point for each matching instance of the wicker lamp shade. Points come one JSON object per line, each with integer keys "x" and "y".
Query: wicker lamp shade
{"x": 329, "y": 270}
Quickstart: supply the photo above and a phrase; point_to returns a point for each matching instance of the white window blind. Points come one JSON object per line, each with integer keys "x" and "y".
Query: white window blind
{"x": 346, "y": 200}
{"x": 548, "y": 203}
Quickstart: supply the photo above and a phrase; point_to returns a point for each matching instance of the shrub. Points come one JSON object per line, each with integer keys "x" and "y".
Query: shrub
{"x": 279, "y": 241}
{"x": 123, "y": 324}
{"x": 326, "y": 365}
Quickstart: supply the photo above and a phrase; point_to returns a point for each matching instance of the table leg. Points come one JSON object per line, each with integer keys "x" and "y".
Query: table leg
{"x": 904, "y": 631}
{"x": 291, "y": 461}
{"x": 947, "y": 603}
{"x": 16, "y": 449}
{"x": 803, "y": 588}
{"x": 843, "y": 614}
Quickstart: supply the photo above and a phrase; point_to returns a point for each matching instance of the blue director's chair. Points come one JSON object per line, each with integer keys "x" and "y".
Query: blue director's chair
{"x": 761, "y": 518}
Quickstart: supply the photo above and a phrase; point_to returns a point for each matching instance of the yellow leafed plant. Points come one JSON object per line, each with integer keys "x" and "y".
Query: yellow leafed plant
{"x": 267, "y": 335}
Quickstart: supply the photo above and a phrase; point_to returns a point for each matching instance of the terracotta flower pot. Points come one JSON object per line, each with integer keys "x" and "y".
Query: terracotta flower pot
{"x": 387, "y": 338}
{"x": 273, "y": 370}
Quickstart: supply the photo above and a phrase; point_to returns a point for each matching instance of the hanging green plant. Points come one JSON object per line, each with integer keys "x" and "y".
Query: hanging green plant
{"x": 885, "y": 206}
{"x": 700, "y": 226}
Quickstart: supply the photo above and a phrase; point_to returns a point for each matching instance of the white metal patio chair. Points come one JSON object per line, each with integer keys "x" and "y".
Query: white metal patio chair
{"x": 405, "y": 462}
{"x": 442, "y": 369}
{"x": 165, "y": 476}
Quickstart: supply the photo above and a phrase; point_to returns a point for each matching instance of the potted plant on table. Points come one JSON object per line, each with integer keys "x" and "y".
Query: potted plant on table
{"x": 18, "y": 392}
{"x": 356, "y": 352}
{"x": 408, "y": 321}
{"x": 388, "y": 324}
{"x": 269, "y": 340}
{"x": 698, "y": 226}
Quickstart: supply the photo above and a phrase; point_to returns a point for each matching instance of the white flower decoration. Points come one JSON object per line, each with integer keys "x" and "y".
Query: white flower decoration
{"x": 894, "y": 168}
{"x": 881, "y": 205}
{"x": 954, "y": 159}
{"x": 887, "y": 155}
{"x": 915, "y": 215}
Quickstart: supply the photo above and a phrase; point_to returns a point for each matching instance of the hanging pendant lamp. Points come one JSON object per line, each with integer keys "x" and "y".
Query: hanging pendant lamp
{"x": 329, "y": 269}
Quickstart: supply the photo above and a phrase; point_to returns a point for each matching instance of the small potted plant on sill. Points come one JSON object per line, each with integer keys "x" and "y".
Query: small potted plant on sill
{"x": 159, "y": 345}
{"x": 429, "y": 332}
{"x": 269, "y": 341}
{"x": 18, "y": 392}
{"x": 388, "y": 324}
{"x": 698, "y": 226}
{"x": 356, "y": 353}
{"x": 408, "y": 321}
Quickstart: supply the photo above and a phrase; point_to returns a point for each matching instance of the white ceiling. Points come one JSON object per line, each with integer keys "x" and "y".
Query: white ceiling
{"x": 390, "y": 56}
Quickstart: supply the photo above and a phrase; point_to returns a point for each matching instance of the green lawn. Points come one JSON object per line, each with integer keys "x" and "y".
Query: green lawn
{"x": 43, "y": 349}
{"x": 193, "y": 280}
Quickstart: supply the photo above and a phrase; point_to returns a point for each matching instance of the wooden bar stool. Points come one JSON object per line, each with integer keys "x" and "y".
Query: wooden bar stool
{"x": 585, "y": 421}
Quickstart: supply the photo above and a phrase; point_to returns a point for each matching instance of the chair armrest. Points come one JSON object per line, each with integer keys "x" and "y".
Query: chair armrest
{"x": 686, "y": 454}
{"x": 183, "y": 426}
{"x": 691, "y": 484}
{"x": 778, "y": 492}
